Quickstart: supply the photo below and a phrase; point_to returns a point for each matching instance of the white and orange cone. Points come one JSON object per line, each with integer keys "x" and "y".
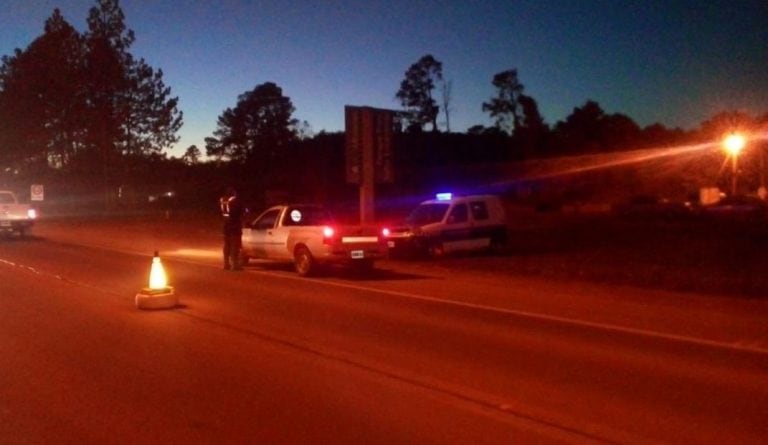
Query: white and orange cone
{"x": 158, "y": 295}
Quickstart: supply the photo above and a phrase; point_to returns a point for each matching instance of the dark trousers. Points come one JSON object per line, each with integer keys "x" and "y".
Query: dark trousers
{"x": 232, "y": 245}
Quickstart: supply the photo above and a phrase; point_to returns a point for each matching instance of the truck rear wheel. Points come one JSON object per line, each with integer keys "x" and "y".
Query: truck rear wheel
{"x": 303, "y": 261}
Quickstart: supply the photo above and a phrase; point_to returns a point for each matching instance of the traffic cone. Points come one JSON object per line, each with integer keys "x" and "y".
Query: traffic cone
{"x": 158, "y": 295}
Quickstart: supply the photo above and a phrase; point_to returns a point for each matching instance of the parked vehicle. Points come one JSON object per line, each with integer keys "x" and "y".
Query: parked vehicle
{"x": 738, "y": 207}
{"x": 451, "y": 223}
{"x": 652, "y": 207}
{"x": 308, "y": 236}
{"x": 14, "y": 215}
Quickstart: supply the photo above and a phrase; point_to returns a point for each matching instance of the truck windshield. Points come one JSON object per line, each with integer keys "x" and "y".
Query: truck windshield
{"x": 427, "y": 214}
{"x": 307, "y": 216}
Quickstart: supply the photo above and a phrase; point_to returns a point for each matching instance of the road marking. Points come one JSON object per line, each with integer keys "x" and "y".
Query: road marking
{"x": 752, "y": 346}
{"x": 739, "y": 346}
{"x": 180, "y": 254}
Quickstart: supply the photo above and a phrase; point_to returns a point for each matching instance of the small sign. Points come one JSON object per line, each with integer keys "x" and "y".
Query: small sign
{"x": 36, "y": 192}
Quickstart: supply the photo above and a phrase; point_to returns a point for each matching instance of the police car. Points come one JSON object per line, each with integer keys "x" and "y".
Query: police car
{"x": 451, "y": 223}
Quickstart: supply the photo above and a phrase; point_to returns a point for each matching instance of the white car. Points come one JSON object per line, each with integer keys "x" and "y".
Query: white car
{"x": 451, "y": 223}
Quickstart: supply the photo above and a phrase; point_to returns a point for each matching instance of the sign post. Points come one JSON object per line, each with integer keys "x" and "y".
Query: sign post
{"x": 368, "y": 152}
{"x": 36, "y": 192}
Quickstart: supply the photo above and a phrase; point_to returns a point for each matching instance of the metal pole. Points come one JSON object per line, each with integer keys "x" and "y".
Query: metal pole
{"x": 367, "y": 179}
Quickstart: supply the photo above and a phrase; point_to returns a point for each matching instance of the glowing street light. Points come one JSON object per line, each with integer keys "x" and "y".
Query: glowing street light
{"x": 734, "y": 143}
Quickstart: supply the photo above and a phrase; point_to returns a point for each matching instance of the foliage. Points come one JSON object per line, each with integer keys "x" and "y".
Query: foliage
{"x": 716, "y": 127}
{"x": 84, "y": 101}
{"x": 42, "y": 100}
{"x": 191, "y": 155}
{"x": 257, "y": 130}
{"x": 415, "y": 93}
{"x": 532, "y": 133}
{"x": 130, "y": 108}
{"x": 589, "y": 129}
{"x": 505, "y": 107}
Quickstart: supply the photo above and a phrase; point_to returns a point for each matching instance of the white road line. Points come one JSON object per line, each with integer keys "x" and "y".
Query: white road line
{"x": 569, "y": 321}
{"x": 740, "y": 346}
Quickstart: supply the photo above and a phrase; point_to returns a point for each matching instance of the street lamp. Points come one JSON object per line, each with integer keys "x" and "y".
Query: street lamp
{"x": 733, "y": 145}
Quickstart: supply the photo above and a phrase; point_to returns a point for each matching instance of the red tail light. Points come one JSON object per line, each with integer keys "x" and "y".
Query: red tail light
{"x": 328, "y": 234}
{"x": 385, "y": 232}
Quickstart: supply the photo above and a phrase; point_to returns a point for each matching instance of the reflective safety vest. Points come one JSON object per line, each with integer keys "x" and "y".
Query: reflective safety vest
{"x": 225, "y": 203}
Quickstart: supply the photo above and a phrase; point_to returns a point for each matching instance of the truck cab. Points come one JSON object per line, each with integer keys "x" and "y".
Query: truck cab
{"x": 14, "y": 215}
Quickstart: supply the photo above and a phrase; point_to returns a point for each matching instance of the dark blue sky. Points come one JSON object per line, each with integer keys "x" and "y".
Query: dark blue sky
{"x": 676, "y": 62}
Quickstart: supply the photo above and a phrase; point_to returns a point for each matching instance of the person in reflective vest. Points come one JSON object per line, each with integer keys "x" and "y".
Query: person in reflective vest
{"x": 232, "y": 214}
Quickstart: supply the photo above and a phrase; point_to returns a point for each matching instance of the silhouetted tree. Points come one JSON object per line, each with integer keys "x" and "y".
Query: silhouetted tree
{"x": 532, "y": 130}
{"x": 479, "y": 129}
{"x": 505, "y": 107}
{"x": 83, "y": 102}
{"x": 716, "y": 127}
{"x": 590, "y": 129}
{"x": 447, "y": 90}
{"x": 415, "y": 92}
{"x": 42, "y": 100}
{"x": 191, "y": 155}
{"x": 257, "y": 130}
{"x": 579, "y": 132}
{"x": 303, "y": 130}
{"x": 618, "y": 132}
{"x": 476, "y": 129}
{"x": 130, "y": 111}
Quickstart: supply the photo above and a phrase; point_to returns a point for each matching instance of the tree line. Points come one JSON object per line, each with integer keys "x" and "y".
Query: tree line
{"x": 82, "y": 102}
{"x": 81, "y": 105}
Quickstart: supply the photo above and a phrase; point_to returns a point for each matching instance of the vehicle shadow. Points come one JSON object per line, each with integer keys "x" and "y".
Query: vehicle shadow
{"x": 343, "y": 272}
{"x": 375, "y": 274}
{"x": 14, "y": 238}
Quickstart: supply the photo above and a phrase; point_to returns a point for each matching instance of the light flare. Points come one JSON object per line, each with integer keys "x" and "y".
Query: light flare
{"x": 157, "y": 277}
{"x": 734, "y": 143}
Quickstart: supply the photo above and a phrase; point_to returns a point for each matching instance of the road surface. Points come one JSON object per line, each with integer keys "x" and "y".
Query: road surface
{"x": 416, "y": 353}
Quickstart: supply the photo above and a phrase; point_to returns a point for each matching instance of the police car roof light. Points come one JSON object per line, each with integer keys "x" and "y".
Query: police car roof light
{"x": 446, "y": 196}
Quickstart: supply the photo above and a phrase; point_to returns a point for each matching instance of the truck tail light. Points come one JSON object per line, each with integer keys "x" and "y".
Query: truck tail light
{"x": 385, "y": 232}
{"x": 31, "y": 213}
{"x": 328, "y": 234}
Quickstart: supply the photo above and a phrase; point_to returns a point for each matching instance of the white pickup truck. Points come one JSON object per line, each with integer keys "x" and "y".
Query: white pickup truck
{"x": 307, "y": 236}
{"x": 15, "y": 216}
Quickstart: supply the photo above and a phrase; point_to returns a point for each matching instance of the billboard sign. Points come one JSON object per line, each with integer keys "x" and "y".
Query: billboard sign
{"x": 368, "y": 144}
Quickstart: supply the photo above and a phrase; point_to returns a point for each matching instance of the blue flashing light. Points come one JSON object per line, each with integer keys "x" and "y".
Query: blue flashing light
{"x": 444, "y": 196}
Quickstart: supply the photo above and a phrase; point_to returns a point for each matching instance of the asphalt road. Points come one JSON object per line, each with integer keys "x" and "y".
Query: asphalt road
{"x": 415, "y": 353}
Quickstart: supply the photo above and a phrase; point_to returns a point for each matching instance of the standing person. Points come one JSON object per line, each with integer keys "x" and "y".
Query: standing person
{"x": 232, "y": 212}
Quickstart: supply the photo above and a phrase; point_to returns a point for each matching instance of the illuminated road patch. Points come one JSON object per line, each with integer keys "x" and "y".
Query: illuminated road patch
{"x": 195, "y": 253}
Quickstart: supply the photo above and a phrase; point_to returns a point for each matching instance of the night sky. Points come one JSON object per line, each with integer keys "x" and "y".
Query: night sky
{"x": 677, "y": 62}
